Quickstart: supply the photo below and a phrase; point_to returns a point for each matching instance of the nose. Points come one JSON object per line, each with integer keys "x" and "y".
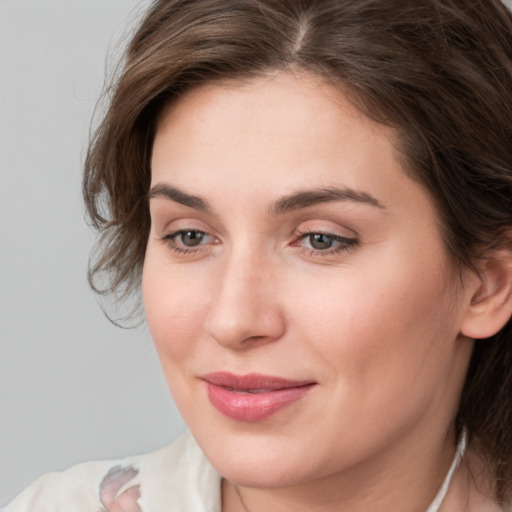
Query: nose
{"x": 245, "y": 310}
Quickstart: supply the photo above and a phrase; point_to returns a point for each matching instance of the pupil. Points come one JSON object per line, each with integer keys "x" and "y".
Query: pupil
{"x": 192, "y": 238}
{"x": 320, "y": 241}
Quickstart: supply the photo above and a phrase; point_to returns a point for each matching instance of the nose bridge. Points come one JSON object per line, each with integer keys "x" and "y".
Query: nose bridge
{"x": 244, "y": 307}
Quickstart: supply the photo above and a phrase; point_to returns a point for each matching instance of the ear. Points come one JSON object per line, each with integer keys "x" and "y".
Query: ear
{"x": 490, "y": 304}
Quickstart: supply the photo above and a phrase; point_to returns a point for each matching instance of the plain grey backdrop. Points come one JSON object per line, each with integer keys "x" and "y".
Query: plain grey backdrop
{"x": 72, "y": 386}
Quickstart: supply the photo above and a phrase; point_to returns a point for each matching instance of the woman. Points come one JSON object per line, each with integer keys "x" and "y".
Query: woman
{"x": 315, "y": 197}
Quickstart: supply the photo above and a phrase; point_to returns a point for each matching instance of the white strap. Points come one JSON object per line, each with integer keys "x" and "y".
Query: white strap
{"x": 443, "y": 491}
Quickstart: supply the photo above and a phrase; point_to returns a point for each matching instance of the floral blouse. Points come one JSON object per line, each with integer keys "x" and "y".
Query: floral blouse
{"x": 177, "y": 478}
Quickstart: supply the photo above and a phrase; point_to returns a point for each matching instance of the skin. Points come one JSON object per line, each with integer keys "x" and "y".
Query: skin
{"x": 375, "y": 322}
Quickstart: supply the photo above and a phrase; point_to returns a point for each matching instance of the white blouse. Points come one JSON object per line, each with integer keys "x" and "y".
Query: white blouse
{"x": 177, "y": 478}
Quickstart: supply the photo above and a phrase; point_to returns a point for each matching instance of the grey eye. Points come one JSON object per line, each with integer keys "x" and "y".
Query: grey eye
{"x": 320, "y": 241}
{"x": 191, "y": 238}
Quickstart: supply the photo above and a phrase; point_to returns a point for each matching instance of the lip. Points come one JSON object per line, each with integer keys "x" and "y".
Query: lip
{"x": 253, "y": 397}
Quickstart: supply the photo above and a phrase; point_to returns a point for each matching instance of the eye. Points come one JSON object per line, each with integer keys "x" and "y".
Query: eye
{"x": 188, "y": 240}
{"x": 324, "y": 244}
{"x": 191, "y": 238}
{"x": 320, "y": 241}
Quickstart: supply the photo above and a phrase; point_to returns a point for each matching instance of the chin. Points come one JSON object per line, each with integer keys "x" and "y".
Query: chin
{"x": 258, "y": 469}
{"x": 262, "y": 459}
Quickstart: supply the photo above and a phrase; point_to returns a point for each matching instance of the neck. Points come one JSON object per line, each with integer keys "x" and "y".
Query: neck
{"x": 472, "y": 488}
{"x": 404, "y": 483}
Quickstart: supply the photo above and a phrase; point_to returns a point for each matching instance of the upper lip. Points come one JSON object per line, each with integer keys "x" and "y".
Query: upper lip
{"x": 252, "y": 381}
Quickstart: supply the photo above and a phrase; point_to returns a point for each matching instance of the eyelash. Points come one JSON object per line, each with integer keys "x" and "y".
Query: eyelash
{"x": 170, "y": 241}
{"x": 345, "y": 243}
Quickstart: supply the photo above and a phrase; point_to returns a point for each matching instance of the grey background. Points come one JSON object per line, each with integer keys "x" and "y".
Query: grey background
{"x": 72, "y": 386}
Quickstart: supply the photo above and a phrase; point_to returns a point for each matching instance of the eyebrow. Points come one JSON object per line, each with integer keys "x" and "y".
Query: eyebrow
{"x": 307, "y": 198}
{"x": 178, "y": 196}
{"x": 295, "y": 201}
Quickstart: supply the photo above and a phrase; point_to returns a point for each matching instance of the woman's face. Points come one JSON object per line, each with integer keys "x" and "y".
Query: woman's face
{"x": 296, "y": 285}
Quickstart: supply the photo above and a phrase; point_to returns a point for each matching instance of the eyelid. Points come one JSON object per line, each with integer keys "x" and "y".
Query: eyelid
{"x": 182, "y": 231}
{"x": 170, "y": 221}
{"x": 342, "y": 246}
{"x": 344, "y": 239}
{"x": 171, "y": 234}
{"x": 327, "y": 227}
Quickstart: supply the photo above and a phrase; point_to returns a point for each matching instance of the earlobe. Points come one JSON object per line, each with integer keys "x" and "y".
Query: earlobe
{"x": 490, "y": 305}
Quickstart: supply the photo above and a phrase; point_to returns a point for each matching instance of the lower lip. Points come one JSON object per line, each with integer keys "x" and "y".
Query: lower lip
{"x": 253, "y": 406}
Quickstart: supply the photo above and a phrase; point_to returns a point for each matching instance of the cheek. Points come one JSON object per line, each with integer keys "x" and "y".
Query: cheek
{"x": 386, "y": 347}
{"x": 174, "y": 311}
{"x": 382, "y": 324}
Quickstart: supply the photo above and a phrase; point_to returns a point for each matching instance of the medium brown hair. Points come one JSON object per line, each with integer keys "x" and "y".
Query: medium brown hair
{"x": 439, "y": 72}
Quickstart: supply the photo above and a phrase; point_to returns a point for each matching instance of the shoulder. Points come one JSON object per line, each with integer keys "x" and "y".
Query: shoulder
{"x": 77, "y": 485}
{"x": 178, "y": 475}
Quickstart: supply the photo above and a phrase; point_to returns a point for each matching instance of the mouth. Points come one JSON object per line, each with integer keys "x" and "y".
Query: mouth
{"x": 253, "y": 397}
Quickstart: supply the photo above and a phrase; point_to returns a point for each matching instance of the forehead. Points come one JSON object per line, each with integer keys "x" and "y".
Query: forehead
{"x": 243, "y": 147}
{"x": 281, "y": 102}
{"x": 296, "y": 126}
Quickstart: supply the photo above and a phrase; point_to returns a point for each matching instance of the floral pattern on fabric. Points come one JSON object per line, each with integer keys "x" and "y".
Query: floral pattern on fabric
{"x": 115, "y": 495}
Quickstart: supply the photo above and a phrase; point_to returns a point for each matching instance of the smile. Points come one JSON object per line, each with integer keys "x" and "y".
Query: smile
{"x": 252, "y": 397}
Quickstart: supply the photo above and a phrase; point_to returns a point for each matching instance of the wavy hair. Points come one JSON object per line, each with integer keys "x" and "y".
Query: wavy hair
{"x": 439, "y": 72}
